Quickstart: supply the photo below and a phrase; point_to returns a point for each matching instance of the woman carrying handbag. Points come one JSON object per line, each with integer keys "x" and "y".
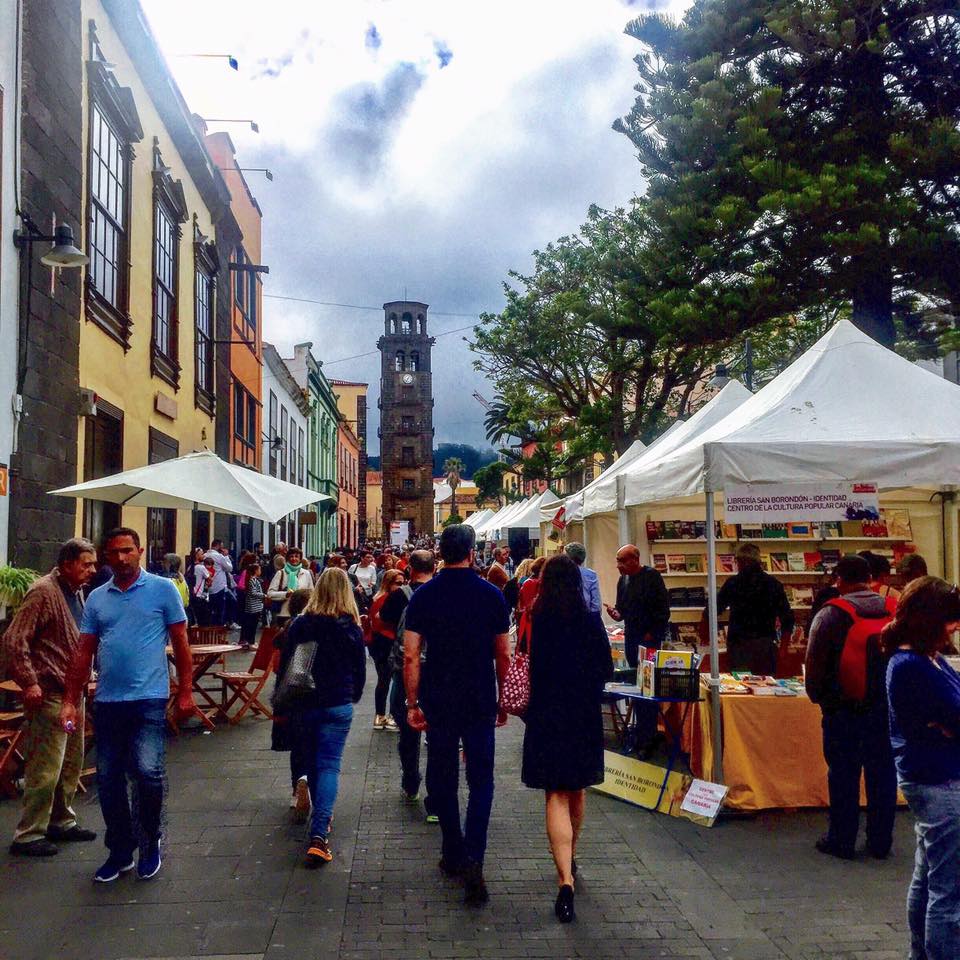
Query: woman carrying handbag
{"x": 563, "y": 744}
{"x": 321, "y": 678}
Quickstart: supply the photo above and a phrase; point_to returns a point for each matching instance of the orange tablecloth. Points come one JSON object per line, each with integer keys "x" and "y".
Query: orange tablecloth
{"x": 772, "y": 751}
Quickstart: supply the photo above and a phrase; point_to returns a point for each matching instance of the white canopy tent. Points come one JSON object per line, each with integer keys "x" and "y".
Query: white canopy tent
{"x": 606, "y": 527}
{"x": 491, "y": 528}
{"x": 528, "y": 518}
{"x": 602, "y": 495}
{"x": 847, "y": 410}
{"x": 573, "y": 505}
{"x": 476, "y": 520}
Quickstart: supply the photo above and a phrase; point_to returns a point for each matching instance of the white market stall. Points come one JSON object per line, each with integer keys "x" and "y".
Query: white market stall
{"x": 490, "y": 530}
{"x": 476, "y": 520}
{"x": 606, "y": 526}
{"x": 848, "y": 410}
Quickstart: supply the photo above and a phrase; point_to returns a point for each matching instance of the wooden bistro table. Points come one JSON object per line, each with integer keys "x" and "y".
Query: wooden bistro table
{"x": 204, "y": 655}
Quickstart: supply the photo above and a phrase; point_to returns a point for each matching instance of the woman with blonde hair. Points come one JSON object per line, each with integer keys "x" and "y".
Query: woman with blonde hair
{"x": 381, "y": 637}
{"x": 320, "y": 719}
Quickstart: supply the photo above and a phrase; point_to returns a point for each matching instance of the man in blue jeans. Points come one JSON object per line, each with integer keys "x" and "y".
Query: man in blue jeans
{"x": 126, "y": 623}
{"x": 461, "y": 623}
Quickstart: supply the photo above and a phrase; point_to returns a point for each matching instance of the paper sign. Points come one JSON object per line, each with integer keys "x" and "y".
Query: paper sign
{"x": 399, "y": 532}
{"x": 778, "y": 503}
{"x": 704, "y": 799}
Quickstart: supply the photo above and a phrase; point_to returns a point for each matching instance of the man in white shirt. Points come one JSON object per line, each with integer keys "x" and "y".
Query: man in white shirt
{"x": 222, "y": 565}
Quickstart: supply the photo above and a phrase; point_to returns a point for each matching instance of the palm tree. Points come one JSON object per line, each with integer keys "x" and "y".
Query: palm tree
{"x": 453, "y": 468}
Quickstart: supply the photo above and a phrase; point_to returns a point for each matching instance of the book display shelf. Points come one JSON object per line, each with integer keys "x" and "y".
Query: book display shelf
{"x": 801, "y": 555}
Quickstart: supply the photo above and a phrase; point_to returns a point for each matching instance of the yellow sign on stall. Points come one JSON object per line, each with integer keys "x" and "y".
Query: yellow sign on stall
{"x": 640, "y": 783}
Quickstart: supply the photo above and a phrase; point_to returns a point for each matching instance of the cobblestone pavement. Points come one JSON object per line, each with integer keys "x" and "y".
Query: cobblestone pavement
{"x": 232, "y": 885}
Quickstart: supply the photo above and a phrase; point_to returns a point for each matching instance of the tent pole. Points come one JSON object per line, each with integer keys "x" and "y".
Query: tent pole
{"x": 623, "y": 520}
{"x": 714, "y": 644}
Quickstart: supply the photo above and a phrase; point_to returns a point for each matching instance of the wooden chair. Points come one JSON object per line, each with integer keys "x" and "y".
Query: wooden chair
{"x": 11, "y": 759}
{"x": 247, "y": 685}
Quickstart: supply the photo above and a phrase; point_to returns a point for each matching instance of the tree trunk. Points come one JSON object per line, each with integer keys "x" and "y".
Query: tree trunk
{"x": 873, "y": 300}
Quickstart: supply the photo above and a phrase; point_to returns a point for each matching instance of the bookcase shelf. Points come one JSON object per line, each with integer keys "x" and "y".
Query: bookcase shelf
{"x": 701, "y": 609}
{"x": 698, "y": 541}
{"x": 773, "y": 573}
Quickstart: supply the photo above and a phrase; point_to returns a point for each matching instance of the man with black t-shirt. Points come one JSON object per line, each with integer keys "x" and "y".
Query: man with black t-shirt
{"x": 455, "y": 694}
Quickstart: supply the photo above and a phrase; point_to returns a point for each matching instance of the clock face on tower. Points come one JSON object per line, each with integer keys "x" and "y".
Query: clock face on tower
{"x": 408, "y": 378}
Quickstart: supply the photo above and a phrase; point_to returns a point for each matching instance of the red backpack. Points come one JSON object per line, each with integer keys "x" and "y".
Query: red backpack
{"x": 860, "y": 647}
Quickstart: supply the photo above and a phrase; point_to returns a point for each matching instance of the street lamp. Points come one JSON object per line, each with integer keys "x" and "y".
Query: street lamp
{"x": 63, "y": 253}
{"x": 262, "y": 170}
{"x": 721, "y": 376}
{"x": 254, "y": 126}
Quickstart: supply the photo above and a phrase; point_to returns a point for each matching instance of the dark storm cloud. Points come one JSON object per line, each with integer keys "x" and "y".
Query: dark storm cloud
{"x": 454, "y": 257}
{"x": 366, "y": 118}
{"x": 372, "y": 39}
{"x": 443, "y": 52}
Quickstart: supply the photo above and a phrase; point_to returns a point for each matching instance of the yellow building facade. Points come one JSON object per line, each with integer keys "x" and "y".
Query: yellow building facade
{"x": 147, "y": 326}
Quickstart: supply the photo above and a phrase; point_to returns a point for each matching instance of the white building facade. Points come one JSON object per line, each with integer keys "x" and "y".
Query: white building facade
{"x": 9, "y": 259}
{"x": 286, "y": 410}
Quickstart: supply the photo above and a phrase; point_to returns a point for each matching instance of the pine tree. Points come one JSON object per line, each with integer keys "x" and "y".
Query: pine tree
{"x": 806, "y": 152}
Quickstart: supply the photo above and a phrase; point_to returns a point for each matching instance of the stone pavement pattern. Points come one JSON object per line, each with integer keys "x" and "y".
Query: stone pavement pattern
{"x": 232, "y": 884}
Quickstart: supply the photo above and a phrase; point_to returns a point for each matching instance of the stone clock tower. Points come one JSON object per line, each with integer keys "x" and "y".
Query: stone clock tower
{"x": 406, "y": 417}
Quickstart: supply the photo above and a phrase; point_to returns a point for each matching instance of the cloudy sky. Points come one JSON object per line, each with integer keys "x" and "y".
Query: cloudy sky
{"x": 418, "y": 146}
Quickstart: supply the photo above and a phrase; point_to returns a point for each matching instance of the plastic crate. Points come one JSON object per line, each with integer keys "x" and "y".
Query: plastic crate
{"x": 677, "y": 684}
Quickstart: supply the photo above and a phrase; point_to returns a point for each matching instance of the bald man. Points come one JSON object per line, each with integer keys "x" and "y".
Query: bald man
{"x": 643, "y": 603}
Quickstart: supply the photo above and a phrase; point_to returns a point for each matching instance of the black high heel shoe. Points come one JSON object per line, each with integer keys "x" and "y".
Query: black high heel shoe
{"x": 563, "y": 908}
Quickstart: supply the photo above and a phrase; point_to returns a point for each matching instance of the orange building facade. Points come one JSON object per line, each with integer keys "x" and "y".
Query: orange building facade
{"x": 348, "y": 478}
{"x": 243, "y": 441}
{"x": 246, "y": 293}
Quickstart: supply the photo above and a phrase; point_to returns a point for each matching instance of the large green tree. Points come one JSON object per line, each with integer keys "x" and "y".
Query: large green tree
{"x": 806, "y": 152}
{"x": 582, "y": 348}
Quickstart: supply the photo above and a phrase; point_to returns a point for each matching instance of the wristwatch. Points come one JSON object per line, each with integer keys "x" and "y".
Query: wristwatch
{"x": 414, "y": 706}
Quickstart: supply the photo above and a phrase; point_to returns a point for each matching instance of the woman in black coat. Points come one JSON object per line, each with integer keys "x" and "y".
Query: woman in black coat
{"x": 563, "y": 744}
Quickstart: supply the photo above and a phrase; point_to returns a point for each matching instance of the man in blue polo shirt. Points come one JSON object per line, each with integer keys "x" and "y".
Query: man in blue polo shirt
{"x": 127, "y": 623}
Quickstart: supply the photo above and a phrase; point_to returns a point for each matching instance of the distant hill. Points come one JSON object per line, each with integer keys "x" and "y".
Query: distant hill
{"x": 472, "y": 457}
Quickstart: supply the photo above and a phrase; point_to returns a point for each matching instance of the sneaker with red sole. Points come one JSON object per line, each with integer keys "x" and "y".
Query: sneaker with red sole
{"x": 318, "y": 853}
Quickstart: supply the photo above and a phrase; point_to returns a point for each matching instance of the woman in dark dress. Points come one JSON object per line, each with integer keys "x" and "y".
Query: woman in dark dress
{"x": 563, "y": 744}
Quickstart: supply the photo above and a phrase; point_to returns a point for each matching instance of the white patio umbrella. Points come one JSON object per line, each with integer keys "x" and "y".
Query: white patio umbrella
{"x": 199, "y": 481}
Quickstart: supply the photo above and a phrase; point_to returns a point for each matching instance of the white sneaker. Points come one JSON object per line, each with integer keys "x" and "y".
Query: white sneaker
{"x": 379, "y": 723}
{"x": 390, "y": 724}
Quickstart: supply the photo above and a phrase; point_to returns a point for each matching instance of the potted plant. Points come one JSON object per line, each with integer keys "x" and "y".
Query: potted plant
{"x": 14, "y": 584}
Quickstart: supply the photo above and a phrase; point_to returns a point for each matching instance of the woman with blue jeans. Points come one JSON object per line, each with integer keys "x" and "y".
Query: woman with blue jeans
{"x": 924, "y": 694}
{"x": 320, "y": 720}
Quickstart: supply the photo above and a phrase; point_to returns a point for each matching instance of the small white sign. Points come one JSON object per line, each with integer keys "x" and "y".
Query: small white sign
{"x": 780, "y": 503}
{"x": 704, "y": 799}
{"x": 399, "y": 532}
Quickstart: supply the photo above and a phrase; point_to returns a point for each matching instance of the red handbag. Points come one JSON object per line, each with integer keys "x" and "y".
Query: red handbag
{"x": 516, "y": 684}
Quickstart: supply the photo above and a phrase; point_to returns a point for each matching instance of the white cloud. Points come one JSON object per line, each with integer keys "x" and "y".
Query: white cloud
{"x": 394, "y": 170}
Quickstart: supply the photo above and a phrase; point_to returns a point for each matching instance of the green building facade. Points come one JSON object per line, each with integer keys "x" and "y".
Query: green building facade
{"x": 321, "y": 447}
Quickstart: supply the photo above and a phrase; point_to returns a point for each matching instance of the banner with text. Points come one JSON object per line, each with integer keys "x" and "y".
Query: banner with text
{"x": 780, "y": 503}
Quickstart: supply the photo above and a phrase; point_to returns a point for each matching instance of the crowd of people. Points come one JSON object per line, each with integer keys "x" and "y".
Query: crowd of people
{"x": 438, "y": 621}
